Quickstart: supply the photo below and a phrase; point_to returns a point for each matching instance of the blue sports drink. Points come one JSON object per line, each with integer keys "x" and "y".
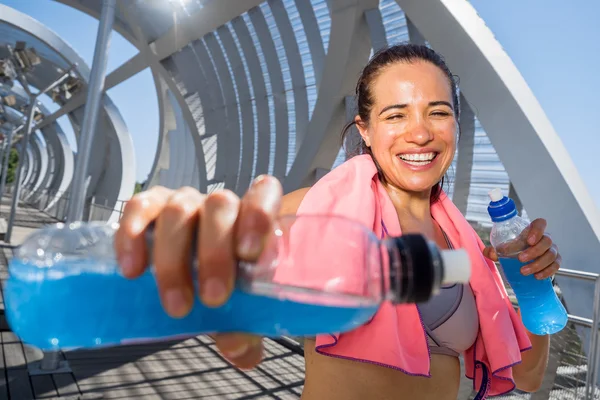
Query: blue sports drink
{"x": 96, "y": 308}
{"x": 541, "y": 310}
{"x": 317, "y": 275}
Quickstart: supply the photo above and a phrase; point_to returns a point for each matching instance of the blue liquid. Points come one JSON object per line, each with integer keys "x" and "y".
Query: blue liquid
{"x": 541, "y": 310}
{"x": 93, "y": 309}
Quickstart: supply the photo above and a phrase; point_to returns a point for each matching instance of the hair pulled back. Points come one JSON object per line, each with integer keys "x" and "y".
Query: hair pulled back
{"x": 400, "y": 53}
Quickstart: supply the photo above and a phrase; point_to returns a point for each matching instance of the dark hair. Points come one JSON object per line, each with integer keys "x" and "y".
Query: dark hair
{"x": 406, "y": 53}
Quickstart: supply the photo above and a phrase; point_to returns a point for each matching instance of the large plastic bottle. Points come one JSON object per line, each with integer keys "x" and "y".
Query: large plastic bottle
{"x": 541, "y": 310}
{"x": 317, "y": 275}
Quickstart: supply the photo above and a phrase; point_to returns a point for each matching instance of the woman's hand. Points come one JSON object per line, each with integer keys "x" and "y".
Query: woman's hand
{"x": 227, "y": 229}
{"x": 543, "y": 253}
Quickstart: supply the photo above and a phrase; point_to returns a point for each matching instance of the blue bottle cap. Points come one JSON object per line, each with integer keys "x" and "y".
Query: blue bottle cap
{"x": 501, "y": 207}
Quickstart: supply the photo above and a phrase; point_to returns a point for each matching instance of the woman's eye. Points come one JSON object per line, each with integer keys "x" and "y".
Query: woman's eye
{"x": 395, "y": 116}
{"x": 440, "y": 113}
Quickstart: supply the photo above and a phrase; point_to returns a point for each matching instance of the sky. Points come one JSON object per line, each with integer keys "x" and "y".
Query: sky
{"x": 554, "y": 47}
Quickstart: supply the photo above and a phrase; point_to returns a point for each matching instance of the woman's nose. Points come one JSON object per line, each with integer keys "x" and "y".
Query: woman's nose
{"x": 419, "y": 134}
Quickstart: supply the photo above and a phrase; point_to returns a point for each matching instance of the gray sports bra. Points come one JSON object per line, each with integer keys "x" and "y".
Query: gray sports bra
{"x": 450, "y": 318}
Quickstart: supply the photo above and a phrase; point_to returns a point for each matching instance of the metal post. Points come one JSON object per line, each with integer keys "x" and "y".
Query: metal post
{"x": 590, "y": 381}
{"x": 5, "y": 149}
{"x": 5, "y": 163}
{"x": 2, "y": 150}
{"x": 17, "y": 185}
{"x": 50, "y": 360}
{"x": 25, "y": 139}
{"x": 90, "y": 117}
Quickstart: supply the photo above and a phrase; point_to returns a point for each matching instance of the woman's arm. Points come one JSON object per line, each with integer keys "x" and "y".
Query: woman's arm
{"x": 529, "y": 374}
{"x": 291, "y": 201}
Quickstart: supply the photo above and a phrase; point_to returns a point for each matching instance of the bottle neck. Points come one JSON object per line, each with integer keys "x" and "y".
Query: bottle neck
{"x": 415, "y": 269}
{"x": 506, "y": 221}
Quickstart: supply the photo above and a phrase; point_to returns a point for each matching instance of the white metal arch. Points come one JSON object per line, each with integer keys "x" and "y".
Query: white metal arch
{"x": 348, "y": 51}
{"x": 539, "y": 166}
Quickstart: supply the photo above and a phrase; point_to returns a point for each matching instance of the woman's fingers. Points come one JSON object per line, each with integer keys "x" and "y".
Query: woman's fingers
{"x": 130, "y": 243}
{"x": 221, "y": 227}
{"x": 490, "y": 253}
{"x": 216, "y": 256}
{"x": 537, "y": 250}
{"x": 243, "y": 351}
{"x": 259, "y": 209}
{"x": 174, "y": 235}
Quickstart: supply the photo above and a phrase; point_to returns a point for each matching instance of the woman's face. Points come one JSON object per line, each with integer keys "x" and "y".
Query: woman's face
{"x": 412, "y": 127}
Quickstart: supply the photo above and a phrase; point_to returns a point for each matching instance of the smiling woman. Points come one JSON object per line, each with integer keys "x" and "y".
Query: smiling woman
{"x": 407, "y": 117}
{"x": 414, "y": 88}
{"x": 408, "y": 124}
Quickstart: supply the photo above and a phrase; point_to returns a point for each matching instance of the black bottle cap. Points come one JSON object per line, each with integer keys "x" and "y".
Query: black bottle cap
{"x": 413, "y": 276}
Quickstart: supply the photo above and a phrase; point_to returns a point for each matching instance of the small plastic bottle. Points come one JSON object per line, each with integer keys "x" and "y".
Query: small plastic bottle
{"x": 317, "y": 275}
{"x": 541, "y": 310}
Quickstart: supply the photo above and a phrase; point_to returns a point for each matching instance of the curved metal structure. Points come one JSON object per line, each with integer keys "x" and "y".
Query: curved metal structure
{"x": 241, "y": 81}
{"x": 54, "y": 182}
{"x": 50, "y": 160}
{"x": 540, "y": 168}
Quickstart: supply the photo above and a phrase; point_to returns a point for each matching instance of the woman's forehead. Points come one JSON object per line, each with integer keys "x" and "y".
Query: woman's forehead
{"x": 412, "y": 82}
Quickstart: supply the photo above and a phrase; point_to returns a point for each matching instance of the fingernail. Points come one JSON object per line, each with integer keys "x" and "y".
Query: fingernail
{"x": 250, "y": 245}
{"x": 523, "y": 257}
{"x": 214, "y": 292}
{"x": 259, "y": 178}
{"x": 531, "y": 239}
{"x": 126, "y": 264}
{"x": 176, "y": 302}
{"x": 237, "y": 352}
{"x": 526, "y": 271}
{"x": 137, "y": 226}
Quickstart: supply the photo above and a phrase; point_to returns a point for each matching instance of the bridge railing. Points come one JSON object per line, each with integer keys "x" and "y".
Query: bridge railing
{"x": 590, "y": 389}
{"x": 56, "y": 204}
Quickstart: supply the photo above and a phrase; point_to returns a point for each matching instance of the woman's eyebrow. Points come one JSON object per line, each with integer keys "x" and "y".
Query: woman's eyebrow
{"x": 431, "y": 104}
{"x": 441, "y": 103}
{"x": 392, "y": 106}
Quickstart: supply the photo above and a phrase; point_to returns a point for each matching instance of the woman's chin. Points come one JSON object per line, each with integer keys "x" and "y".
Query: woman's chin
{"x": 421, "y": 191}
{"x": 417, "y": 188}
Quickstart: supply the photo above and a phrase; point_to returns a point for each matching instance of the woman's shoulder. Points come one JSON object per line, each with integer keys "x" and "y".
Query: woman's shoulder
{"x": 291, "y": 201}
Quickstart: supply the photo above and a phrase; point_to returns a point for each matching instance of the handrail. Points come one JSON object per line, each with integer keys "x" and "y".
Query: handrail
{"x": 573, "y": 273}
{"x": 63, "y": 199}
{"x": 593, "y": 352}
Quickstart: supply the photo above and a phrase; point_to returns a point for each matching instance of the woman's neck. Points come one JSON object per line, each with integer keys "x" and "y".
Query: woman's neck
{"x": 414, "y": 210}
{"x": 416, "y": 205}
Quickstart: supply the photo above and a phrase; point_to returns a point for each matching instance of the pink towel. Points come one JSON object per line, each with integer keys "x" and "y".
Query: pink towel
{"x": 353, "y": 190}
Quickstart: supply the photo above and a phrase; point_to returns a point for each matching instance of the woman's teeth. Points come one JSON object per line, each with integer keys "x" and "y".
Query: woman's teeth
{"x": 417, "y": 159}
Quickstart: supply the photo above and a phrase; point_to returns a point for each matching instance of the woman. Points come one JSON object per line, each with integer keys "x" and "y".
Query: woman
{"x": 408, "y": 112}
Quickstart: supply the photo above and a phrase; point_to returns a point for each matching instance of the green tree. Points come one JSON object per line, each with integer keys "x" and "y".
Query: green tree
{"x": 13, "y": 160}
{"x": 138, "y": 187}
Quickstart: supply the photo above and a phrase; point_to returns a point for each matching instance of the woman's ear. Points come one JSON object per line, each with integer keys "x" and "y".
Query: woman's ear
{"x": 362, "y": 129}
